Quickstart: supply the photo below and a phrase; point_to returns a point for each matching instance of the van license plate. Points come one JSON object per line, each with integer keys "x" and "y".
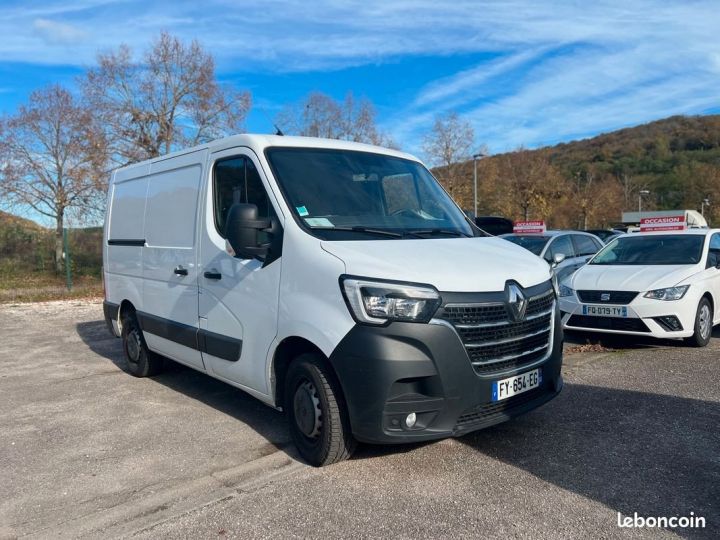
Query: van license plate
{"x": 518, "y": 384}
{"x": 605, "y": 311}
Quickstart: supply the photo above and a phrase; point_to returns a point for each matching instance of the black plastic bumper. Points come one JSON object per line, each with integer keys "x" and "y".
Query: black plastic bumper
{"x": 388, "y": 372}
{"x": 110, "y": 311}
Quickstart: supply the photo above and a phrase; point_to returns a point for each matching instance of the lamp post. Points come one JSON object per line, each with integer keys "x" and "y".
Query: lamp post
{"x": 476, "y": 157}
{"x": 640, "y": 196}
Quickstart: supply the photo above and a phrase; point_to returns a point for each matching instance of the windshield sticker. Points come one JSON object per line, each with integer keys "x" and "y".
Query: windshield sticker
{"x": 302, "y": 211}
{"x": 319, "y": 222}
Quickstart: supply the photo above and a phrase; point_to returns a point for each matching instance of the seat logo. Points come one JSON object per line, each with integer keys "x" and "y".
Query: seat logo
{"x": 605, "y": 297}
{"x": 515, "y": 301}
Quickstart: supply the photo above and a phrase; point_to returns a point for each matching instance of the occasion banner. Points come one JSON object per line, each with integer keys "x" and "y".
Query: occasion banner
{"x": 670, "y": 223}
{"x": 527, "y": 227}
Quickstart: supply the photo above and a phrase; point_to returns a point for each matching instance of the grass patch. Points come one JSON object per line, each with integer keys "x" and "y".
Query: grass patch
{"x": 41, "y": 287}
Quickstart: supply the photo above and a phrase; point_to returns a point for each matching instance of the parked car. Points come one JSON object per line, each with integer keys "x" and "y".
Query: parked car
{"x": 494, "y": 225}
{"x": 565, "y": 251}
{"x": 605, "y": 234}
{"x": 660, "y": 284}
{"x": 337, "y": 281}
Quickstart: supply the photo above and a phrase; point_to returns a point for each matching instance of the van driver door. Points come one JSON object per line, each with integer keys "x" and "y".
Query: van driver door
{"x": 238, "y": 301}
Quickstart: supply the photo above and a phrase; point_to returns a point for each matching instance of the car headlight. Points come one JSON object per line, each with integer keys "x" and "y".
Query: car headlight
{"x": 670, "y": 293}
{"x": 565, "y": 291}
{"x": 379, "y": 302}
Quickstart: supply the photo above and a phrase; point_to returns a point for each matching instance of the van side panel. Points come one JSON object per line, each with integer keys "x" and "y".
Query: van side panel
{"x": 170, "y": 307}
{"x": 125, "y": 235}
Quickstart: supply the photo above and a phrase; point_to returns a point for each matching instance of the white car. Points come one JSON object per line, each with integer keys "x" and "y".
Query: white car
{"x": 660, "y": 284}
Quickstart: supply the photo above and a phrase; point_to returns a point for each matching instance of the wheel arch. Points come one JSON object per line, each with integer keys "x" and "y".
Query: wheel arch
{"x": 126, "y": 306}
{"x": 288, "y": 350}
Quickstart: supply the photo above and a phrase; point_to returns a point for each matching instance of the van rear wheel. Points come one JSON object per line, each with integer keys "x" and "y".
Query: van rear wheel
{"x": 142, "y": 362}
{"x": 316, "y": 412}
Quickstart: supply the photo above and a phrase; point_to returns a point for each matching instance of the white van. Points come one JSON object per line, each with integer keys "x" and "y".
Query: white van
{"x": 336, "y": 281}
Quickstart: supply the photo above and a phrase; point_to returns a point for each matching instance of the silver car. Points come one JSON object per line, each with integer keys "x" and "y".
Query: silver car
{"x": 566, "y": 251}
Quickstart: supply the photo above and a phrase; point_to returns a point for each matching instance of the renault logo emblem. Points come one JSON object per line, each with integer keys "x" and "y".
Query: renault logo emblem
{"x": 515, "y": 301}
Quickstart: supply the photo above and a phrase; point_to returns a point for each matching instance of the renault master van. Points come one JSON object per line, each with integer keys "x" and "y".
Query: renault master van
{"x": 333, "y": 280}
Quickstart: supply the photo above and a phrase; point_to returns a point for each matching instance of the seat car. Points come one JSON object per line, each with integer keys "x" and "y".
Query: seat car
{"x": 336, "y": 281}
{"x": 605, "y": 234}
{"x": 658, "y": 284}
{"x": 565, "y": 251}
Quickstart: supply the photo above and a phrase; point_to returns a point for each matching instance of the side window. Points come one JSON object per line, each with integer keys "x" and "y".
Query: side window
{"x": 714, "y": 251}
{"x": 562, "y": 244}
{"x": 236, "y": 180}
{"x": 584, "y": 245}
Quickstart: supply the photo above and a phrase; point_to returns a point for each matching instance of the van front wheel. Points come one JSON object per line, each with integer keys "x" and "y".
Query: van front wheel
{"x": 142, "y": 362}
{"x": 316, "y": 412}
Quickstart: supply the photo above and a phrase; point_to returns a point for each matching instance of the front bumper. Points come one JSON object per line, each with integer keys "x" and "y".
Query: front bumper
{"x": 642, "y": 319}
{"x": 388, "y": 372}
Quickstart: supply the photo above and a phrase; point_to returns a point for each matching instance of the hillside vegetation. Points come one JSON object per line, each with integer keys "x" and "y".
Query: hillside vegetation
{"x": 27, "y": 270}
{"x": 591, "y": 181}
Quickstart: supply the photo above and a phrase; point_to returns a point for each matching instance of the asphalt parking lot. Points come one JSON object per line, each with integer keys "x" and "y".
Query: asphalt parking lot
{"x": 87, "y": 450}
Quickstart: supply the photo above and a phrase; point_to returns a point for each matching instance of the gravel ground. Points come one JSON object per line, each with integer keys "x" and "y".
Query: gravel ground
{"x": 89, "y": 451}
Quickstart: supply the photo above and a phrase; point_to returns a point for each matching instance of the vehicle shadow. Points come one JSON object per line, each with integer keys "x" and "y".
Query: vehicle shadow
{"x": 653, "y": 454}
{"x": 222, "y": 397}
{"x": 619, "y": 341}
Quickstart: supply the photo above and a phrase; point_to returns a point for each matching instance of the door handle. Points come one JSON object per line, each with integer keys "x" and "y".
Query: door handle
{"x": 213, "y": 275}
{"x": 180, "y": 271}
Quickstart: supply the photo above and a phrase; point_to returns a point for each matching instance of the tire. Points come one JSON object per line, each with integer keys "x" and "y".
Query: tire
{"x": 142, "y": 362}
{"x": 316, "y": 412}
{"x": 703, "y": 324}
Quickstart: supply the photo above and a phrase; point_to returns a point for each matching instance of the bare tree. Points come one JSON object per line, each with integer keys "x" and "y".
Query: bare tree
{"x": 51, "y": 159}
{"x": 319, "y": 115}
{"x": 169, "y": 100}
{"x": 449, "y": 145}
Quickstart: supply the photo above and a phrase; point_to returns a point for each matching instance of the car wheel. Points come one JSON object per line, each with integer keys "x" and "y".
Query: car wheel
{"x": 703, "y": 324}
{"x": 316, "y": 412}
{"x": 142, "y": 362}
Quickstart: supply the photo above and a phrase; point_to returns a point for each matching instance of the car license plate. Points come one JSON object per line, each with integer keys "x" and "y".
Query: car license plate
{"x": 518, "y": 384}
{"x": 605, "y": 311}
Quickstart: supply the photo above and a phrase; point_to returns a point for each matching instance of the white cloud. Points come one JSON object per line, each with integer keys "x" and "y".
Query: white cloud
{"x": 555, "y": 70}
{"x": 57, "y": 33}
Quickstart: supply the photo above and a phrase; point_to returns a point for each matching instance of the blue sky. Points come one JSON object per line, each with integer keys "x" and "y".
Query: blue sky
{"x": 522, "y": 72}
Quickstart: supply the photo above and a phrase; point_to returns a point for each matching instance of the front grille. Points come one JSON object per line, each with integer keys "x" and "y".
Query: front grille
{"x": 614, "y": 297}
{"x": 484, "y": 414}
{"x": 608, "y": 323}
{"x": 496, "y": 343}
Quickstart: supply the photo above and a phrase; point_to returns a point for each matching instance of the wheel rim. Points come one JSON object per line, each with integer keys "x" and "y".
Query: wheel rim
{"x": 306, "y": 409}
{"x": 704, "y": 319}
{"x": 133, "y": 346}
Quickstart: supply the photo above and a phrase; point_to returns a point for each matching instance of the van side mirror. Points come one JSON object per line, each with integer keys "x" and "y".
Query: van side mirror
{"x": 241, "y": 230}
{"x": 557, "y": 259}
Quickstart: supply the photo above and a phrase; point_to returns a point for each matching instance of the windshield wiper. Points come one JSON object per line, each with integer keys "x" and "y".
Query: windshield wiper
{"x": 379, "y": 232}
{"x": 435, "y": 232}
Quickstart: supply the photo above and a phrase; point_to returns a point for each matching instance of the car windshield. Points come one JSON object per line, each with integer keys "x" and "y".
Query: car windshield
{"x": 531, "y": 242}
{"x": 643, "y": 249}
{"x": 343, "y": 194}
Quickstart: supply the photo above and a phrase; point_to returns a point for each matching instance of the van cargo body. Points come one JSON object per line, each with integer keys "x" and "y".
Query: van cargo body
{"x": 336, "y": 281}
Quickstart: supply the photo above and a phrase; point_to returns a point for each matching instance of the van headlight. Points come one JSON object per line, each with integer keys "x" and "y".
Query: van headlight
{"x": 379, "y": 302}
{"x": 670, "y": 293}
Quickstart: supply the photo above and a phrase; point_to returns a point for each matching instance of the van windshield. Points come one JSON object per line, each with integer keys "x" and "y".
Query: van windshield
{"x": 351, "y": 195}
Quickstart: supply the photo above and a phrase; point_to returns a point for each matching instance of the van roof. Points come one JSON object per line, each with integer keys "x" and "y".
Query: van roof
{"x": 259, "y": 142}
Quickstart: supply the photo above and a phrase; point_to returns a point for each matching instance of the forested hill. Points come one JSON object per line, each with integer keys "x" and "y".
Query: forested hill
{"x": 590, "y": 182}
{"x": 651, "y": 150}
